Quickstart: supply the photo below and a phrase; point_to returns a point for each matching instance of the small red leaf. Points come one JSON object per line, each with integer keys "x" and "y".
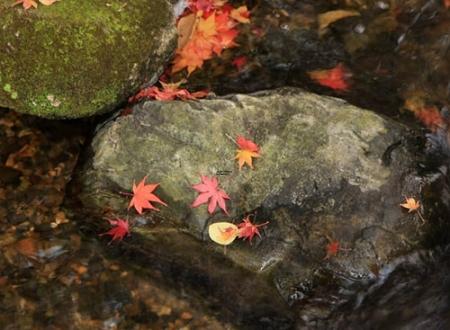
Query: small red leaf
{"x": 247, "y": 230}
{"x": 119, "y": 231}
{"x": 335, "y": 78}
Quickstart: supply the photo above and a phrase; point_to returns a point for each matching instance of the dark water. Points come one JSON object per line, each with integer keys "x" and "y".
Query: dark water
{"x": 55, "y": 274}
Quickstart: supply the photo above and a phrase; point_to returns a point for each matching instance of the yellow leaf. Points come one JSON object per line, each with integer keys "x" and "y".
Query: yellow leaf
{"x": 186, "y": 27}
{"x": 330, "y": 17}
{"x": 207, "y": 26}
{"x": 411, "y": 205}
{"x": 223, "y": 233}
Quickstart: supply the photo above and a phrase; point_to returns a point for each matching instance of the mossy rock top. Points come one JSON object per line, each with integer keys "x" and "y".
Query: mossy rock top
{"x": 77, "y": 58}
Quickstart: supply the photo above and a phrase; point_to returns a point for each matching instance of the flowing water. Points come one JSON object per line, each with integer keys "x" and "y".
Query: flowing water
{"x": 55, "y": 274}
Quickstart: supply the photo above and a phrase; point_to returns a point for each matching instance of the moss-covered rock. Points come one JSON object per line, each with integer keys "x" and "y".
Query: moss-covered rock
{"x": 77, "y": 58}
{"x": 327, "y": 171}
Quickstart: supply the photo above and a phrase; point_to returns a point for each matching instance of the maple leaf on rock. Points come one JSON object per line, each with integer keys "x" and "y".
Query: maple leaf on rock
{"x": 223, "y": 233}
{"x": 209, "y": 192}
{"x": 411, "y": 205}
{"x": 246, "y": 152}
{"x": 143, "y": 196}
{"x": 247, "y": 230}
{"x": 119, "y": 231}
{"x": 332, "y": 249}
{"x": 334, "y": 78}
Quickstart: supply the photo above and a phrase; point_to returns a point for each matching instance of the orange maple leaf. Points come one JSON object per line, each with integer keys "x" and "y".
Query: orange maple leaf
{"x": 334, "y": 78}
{"x": 27, "y": 4}
{"x": 410, "y": 204}
{"x": 212, "y": 31}
{"x": 241, "y": 14}
{"x": 246, "y": 152}
{"x": 143, "y": 195}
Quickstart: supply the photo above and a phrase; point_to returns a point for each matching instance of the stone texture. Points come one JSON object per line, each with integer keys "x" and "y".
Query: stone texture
{"x": 328, "y": 171}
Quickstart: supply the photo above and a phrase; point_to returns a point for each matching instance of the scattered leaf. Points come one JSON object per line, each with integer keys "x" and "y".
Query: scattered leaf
{"x": 119, "y": 231}
{"x": 330, "y": 17}
{"x": 143, "y": 195}
{"x": 206, "y": 32}
{"x": 209, "y": 191}
{"x": 169, "y": 91}
{"x": 430, "y": 117}
{"x": 223, "y": 233}
{"x": 241, "y": 14}
{"x": 246, "y": 152}
{"x": 240, "y": 62}
{"x": 332, "y": 249}
{"x": 247, "y": 230}
{"x": 334, "y": 78}
{"x": 411, "y": 204}
{"x": 27, "y": 4}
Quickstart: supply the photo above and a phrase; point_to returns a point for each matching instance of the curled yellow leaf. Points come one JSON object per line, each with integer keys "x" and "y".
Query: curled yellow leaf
{"x": 223, "y": 233}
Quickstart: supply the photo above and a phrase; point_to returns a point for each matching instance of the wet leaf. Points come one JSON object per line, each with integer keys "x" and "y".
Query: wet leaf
{"x": 223, "y": 233}
{"x": 411, "y": 205}
{"x": 335, "y": 78}
{"x": 169, "y": 91}
{"x": 330, "y": 17}
{"x": 186, "y": 27}
{"x": 247, "y": 230}
{"x": 143, "y": 196}
{"x": 119, "y": 231}
{"x": 209, "y": 192}
{"x": 332, "y": 249}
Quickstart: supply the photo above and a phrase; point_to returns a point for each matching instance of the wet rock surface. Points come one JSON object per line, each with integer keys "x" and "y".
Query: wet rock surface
{"x": 328, "y": 172}
{"x": 80, "y": 58}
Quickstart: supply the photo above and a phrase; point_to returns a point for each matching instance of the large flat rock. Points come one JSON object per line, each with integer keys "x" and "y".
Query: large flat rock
{"x": 327, "y": 171}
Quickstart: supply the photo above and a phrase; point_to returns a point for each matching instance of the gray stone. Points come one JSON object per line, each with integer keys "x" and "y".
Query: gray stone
{"x": 327, "y": 171}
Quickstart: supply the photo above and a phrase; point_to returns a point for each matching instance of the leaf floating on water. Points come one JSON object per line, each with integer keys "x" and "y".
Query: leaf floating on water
{"x": 330, "y": 17}
{"x": 120, "y": 229}
{"x": 223, "y": 233}
{"x": 335, "y": 78}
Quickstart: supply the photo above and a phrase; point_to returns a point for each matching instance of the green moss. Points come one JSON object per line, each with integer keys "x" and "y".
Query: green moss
{"x": 88, "y": 55}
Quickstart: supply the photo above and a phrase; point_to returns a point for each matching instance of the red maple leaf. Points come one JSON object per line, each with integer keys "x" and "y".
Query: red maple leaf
{"x": 168, "y": 92}
{"x": 119, "y": 231}
{"x": 248, "y": 230}
{"x": 430, "y": 117}
{"x": 332, "y": 249}
{"x": 209, "y": 191}
{"x": 143, "y": 195}
{"x": 335, "y": 78}
{"x": 239, "y": 62}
